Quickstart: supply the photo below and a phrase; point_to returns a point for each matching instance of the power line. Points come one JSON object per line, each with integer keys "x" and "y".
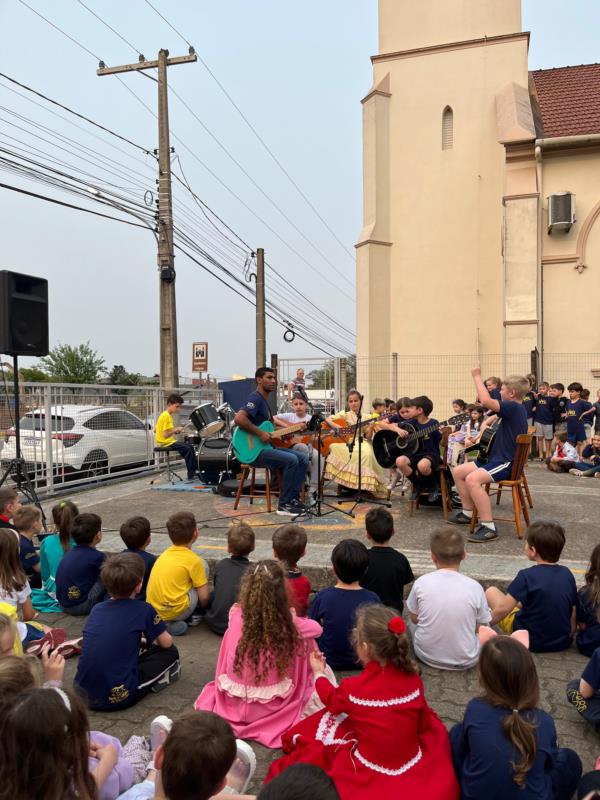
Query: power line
{"x": 110, "y": 28}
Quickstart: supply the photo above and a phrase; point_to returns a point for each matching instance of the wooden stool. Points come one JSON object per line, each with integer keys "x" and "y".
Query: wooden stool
{"x": 251, "y": 469}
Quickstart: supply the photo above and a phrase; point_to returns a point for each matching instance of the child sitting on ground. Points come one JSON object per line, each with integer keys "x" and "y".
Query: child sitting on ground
{"x": 389, "y": 571}
{"x": 376, "y": 737}
{"x": 228, "y": 576}
{"x": 565, "y": 455}
{"x": 588, "y": 608}
{"x": 584, "y": 693}
{"x": 10, "y": 502}
{"x": 78, "y": 583}
{"x": 27, "y": 521}
{"x": 505, "y": 747}
{"x": 447, "y": 608}
{"x": 589, "y": 465}
{"x": 111, "y": 673}
{"x": 299, "y": 782}
{"x": 54, "y": 547}
{"x": 335, "y": 607}
{"x": 178, "y": 583}
{"x": 541, "y": 599}
{"x": 135, "y": 533}
{"x": 262, "y": 680}
{"x": 289, "y": 546}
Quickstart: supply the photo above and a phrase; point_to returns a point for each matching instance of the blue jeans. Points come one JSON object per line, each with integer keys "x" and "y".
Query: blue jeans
{"x": 293, "y": 466}
{"x": 186, "y": 450}
{"x": 586, "y": 466}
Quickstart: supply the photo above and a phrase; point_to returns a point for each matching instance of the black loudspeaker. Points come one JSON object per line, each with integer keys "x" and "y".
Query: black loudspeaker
{"x": 23, "y": 315}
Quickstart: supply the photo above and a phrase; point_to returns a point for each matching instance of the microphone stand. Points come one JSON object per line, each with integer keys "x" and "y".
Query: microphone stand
{"x": 359, "y": 498}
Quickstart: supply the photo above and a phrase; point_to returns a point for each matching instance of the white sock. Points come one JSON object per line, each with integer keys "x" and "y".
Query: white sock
{"x": 490, "y": 525}
{"x": 467, "y": 512}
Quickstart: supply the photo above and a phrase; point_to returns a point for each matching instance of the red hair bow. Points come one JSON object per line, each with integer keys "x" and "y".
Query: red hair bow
{"x": 397, "y": 625}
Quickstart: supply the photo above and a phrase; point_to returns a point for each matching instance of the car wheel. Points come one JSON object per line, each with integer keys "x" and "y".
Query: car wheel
{"x": 95, "y": 464}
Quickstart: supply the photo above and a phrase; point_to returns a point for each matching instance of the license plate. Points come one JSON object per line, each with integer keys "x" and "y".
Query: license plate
{"x": 31, "y": 440}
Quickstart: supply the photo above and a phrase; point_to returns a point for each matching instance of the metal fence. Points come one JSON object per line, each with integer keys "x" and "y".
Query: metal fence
{"x": 78, "y": 434}
{"x": 441, "y": 377}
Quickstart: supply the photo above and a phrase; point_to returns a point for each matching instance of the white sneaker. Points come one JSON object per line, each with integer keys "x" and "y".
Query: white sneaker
{"x": 577, "y": 472}
{"x": 243, "y": 768}
{"x": 160, "y": 727}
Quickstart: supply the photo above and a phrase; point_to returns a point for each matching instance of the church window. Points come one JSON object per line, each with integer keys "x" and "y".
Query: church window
{"x": 447, "y": 129}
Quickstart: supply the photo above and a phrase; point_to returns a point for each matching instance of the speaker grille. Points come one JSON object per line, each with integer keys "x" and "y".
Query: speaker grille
{"x": 23, "y": 314}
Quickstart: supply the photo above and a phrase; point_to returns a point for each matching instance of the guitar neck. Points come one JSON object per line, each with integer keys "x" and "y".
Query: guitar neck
{"x": 279, "y": 432}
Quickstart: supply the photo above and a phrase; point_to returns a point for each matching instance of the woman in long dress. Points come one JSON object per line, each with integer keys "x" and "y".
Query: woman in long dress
{"x": 341, "y": 466}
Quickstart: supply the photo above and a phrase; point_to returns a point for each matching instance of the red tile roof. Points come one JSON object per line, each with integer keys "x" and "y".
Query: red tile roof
{"x": 569, "y": 99}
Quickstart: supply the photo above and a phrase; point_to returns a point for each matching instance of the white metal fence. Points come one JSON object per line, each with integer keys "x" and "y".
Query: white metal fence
{"x": 80, "y": 434}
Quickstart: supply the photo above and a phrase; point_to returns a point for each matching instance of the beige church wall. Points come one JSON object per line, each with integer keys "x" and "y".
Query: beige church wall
{"x": 520, "y": 274}
{"x": 409, "y": 24}
{"x": 446, "y": 289}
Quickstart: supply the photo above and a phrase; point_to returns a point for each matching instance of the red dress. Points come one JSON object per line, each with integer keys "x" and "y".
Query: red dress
{"x": 376, "y": 738}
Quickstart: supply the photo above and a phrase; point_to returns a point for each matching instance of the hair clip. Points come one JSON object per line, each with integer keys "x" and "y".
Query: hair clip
{"x": 397, "y": 625}
{"x": 515, "y": 711}
{"x": 259, "y": 566}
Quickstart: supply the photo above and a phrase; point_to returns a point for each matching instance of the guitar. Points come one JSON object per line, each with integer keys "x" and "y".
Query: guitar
{"x": 484, "y": 446}
{"x": 387, "y": 445}
{"x": 247, "y": 447}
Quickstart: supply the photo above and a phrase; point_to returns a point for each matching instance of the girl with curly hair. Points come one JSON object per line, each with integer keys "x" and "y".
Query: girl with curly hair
{"x": 263, "y": 680}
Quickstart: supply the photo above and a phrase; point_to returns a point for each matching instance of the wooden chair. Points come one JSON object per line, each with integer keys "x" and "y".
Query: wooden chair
{"x": 531, "y": 432}
{"x": 250, "y": 469}
{"x": 441, "y": 475}
{"x": 516, "y": 486}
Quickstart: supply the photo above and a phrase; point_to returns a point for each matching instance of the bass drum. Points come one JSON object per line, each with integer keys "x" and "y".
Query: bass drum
{"x": 205, "y": 418}
{"x": 216, "y": 461}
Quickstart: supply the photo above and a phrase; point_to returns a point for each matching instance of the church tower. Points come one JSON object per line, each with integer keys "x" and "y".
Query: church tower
{"x": 430, "y": 260}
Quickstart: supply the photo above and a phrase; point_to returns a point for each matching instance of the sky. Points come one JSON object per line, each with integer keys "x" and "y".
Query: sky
{"x": 298, "y": 73}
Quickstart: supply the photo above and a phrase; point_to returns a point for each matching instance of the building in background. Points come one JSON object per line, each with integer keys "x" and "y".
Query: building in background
{"x": 459, "y": 254}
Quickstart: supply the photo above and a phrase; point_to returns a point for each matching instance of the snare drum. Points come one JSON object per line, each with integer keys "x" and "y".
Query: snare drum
{"x": 205, "y": 418}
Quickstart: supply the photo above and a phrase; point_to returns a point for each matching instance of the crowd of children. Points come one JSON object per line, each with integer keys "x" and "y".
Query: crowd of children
{"x": 370, "y": 735}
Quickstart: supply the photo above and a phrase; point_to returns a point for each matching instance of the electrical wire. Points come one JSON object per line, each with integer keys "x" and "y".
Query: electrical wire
{"x": 110, "y": 28}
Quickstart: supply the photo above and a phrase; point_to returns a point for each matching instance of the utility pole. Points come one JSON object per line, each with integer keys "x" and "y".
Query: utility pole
{"x": 261, "y": 334}
{"x": 169, "y": 367}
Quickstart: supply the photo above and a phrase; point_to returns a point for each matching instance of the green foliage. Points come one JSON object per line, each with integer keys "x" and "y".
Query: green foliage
{"x": 118, "y": 376}
{"x": 323, "y": 378}
{"x": 67, "y": 364}
{"x": 34, "y": 375}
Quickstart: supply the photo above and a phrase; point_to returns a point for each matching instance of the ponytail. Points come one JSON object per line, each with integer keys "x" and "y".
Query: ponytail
{"x": 384, "y": 632}
{"x": 520, "y": 732}
{"x": 63, "y": 514}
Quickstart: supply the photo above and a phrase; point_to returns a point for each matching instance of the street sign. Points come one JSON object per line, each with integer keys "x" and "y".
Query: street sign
{"x": 200, "y": 357}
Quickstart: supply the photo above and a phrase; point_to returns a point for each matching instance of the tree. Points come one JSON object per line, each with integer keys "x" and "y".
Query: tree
{"x": 323, "y": 378}
{"x": 118, "y": 376}
{"x": 34, "y": 375}
{"x": 67, "y": 364}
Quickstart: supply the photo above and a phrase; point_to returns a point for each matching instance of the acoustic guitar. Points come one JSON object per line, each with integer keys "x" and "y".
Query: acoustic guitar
{"x": 387, "y": 445}
{"x": 247, "y": 446}
{"x": 483, "y": 447}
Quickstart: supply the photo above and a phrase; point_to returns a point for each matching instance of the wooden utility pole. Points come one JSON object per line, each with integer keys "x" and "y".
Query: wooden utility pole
{"x": 169, "y": 367}
{"x": 261, "y": 334}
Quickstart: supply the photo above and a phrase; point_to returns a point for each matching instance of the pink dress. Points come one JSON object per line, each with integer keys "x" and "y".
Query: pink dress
{"x": 263, "y": 712}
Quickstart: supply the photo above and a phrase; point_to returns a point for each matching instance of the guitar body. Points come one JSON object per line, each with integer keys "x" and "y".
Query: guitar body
{"x": 247, "y": 447}
{"x": 484, "y": 446}
{"x": 290, "y": 441}
{"x": 387, "y": 445}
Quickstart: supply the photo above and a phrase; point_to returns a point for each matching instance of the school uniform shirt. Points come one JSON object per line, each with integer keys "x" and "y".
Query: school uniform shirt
{"x": 528, "y": 402}
{"x": 28, "y": 555}
{"x": 108, "y": 665}
{"x": 547, "y": 593}
{"x": 575, "y": 427}
{"x": 588, "y": 638}
{"x": 591, "y": 674}
{"x": 149, "y": 560}
{"x": 6, "y": 523}
{"x": 560, "y": 408}
{"x": 387, "y": 574}
{"x": 228, "y": 576}
{"x": 257, "y": 409}
{"x": 513, "y": 423}
{"x": 300, "y": 587}
{"x": 430, "y": 443}
{"x": 448, "y": 606}
{"x": 486, "y": 755}
{"x": 335, "y": 610}
{"x": 596, "y": 406}
{"x": 591, "y": 454}
{"x": 544, "y": 410}
{"x": 495, "y": 394}
{"x": 77, "y": 572}
{"x": 175, "y": 572}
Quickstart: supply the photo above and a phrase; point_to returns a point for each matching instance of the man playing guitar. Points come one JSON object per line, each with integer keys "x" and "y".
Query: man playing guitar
{"x": 293, "y": 464}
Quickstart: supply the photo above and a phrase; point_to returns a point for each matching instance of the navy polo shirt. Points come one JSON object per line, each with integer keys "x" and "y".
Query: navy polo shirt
{"x": 547, "y": 593}
{"x": 574, "y": 411}
{"x": 148, "y": 559}
{"x": 559, "y": 408}
{"x": 107, "y": 671}
{"x": 430, "y": 443}
{"x": 528, "y": 402}
{"x": 28, "y": 555}
{"x": 588, "y": 638}
{"x": 544, "y": 410}
{"x": 257, "y": 409}
{"x": 78, "y": 571}
{"x": 335, "y": 610}
{"x": 591, "y": 674}
{"x": 513, "y": 422}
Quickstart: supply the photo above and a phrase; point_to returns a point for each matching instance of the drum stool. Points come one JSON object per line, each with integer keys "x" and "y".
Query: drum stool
{"x": 251, "y": 469}
{"x": 172, "y": 476}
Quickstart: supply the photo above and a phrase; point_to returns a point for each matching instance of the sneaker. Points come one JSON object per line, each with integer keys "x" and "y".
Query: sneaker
{"x": 597, "y": 475}
{"x": 482, "y": 534}
{"x": 177, "y": 628}
{"x": 299, "y": 506}
{"x": 169, "y": 676}
{"x": 577, "y": 472}
{"x": 287, "y": 510}
{"x": 241, "y": 771}
{"x": 433, "y": 495}
{"x": 160, "y": 727}
{"x": 459, "y": 518}
{"x": 194, "y": 620}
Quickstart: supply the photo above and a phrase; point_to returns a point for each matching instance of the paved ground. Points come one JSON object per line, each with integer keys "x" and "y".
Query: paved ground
{"x": 574, "y": 501}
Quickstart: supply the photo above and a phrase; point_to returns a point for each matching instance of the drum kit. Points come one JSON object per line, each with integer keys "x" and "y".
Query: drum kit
{"x": 212, "y": 441}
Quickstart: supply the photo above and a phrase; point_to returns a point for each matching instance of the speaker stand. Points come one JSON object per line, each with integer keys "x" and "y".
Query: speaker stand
{"x": 17, "y": 467}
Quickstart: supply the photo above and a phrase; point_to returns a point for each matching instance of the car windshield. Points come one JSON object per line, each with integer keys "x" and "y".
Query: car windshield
{"x": 37, "y": 422}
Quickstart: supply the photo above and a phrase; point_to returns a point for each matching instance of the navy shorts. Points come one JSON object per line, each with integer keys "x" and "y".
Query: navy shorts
{"x": 499, "y": 470}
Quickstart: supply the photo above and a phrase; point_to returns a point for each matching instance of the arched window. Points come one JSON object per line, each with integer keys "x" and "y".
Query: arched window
{"x": 447, "y": 129}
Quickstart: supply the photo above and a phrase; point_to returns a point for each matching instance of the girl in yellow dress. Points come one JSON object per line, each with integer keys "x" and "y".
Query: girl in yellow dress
{"x": 342, "y": 467}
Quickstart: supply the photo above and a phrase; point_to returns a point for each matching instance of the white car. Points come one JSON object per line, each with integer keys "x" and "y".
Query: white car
{"x": 90, "y": 440}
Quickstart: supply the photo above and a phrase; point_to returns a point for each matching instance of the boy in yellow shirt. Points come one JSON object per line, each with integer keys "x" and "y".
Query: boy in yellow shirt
{"x": 165, "y": 432}
{"x": 178, "y": 583}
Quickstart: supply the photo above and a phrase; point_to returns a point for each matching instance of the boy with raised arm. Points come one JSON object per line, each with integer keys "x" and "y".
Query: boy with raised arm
{"x": 471, "y": 477}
